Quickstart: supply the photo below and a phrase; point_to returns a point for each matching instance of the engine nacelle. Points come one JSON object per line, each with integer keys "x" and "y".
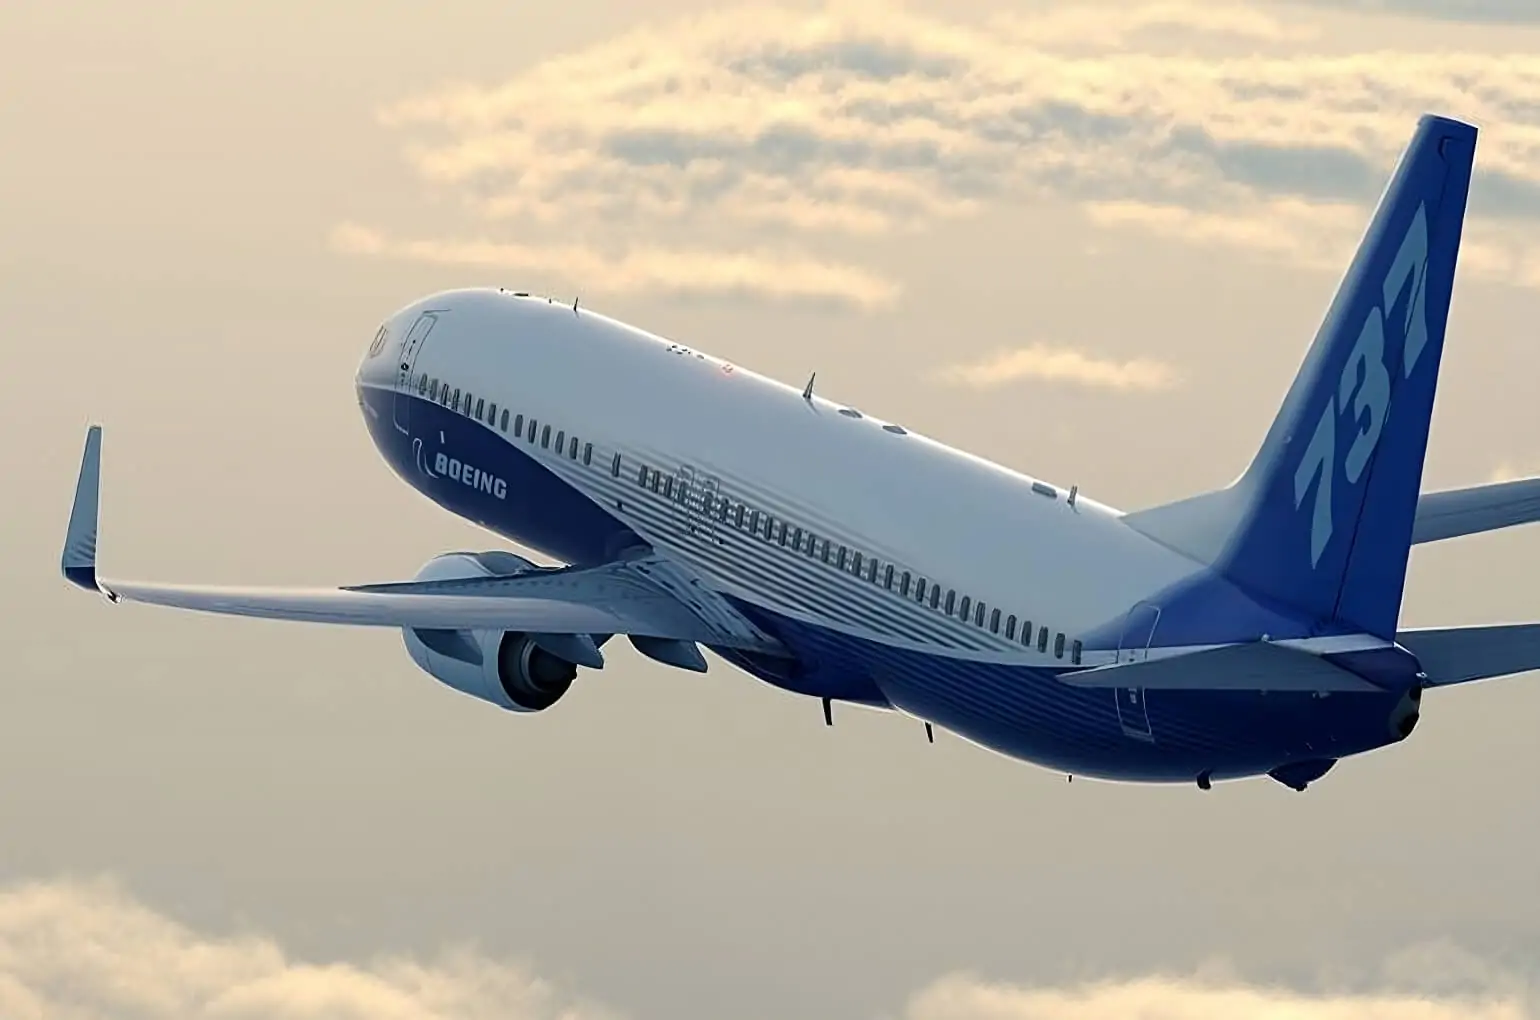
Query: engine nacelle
{"x": 506, "y": 669}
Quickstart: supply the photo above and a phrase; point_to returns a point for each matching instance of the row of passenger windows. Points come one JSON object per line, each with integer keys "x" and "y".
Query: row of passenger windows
{"x": 763, "y": 525}
{"x": 889, "y": 576}
{"x": 530, "y": 430}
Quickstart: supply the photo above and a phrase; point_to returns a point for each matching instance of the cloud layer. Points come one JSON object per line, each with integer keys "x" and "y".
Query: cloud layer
{"x": 1194, "y": 999}
{"x": 1060, "y": 365}
{"x": 88, "y": 951}
{"x": 715, "y": 153}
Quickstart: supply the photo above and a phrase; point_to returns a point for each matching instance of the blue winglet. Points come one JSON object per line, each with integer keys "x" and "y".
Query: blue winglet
{"x": 79, "y": 560}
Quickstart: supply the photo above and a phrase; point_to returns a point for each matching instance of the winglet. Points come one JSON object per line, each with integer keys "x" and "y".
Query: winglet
{"x": 79, "y": 560}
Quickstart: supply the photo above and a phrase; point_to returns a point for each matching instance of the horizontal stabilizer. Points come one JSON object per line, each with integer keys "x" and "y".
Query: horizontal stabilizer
{"x": 1255, "y": 666}
{"x": 1454, "y": 655}
{"x": 1456, "y": 512}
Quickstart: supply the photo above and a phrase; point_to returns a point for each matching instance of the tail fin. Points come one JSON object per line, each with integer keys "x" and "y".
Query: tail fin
{"x": 1322, "y": 519}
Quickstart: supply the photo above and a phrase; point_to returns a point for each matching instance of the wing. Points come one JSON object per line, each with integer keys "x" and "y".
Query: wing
{"x": 1456, "y": 512}
{"x": 644, "y": 596}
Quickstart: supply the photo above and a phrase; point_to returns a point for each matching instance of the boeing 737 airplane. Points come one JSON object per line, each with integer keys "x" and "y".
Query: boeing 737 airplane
{"x": 1247, "y": 631}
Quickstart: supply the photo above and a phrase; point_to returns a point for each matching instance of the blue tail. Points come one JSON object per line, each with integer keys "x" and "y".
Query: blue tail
{"x": 1322, "y": 519}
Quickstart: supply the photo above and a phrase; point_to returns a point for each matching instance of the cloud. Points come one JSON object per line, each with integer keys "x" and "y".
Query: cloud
{"x": 87, "y": 951}
{"x": 640, "y": 269}
{"x": 1060, "y": 364}
{"x": 772, "y": 131}
{"x": 1161, "y": 998}
{"x": 72, "y": 950}
{"x": 1514, "y": 11}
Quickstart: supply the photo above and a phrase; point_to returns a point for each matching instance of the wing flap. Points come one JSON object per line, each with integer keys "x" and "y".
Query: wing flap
{"x": 1255, "y": 666}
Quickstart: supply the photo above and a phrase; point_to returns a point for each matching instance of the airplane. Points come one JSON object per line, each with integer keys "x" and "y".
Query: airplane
{"x": 1247, "y": 631}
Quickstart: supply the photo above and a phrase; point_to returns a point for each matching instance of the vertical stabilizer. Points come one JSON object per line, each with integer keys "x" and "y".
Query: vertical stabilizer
{"x": 1322, "y": 518}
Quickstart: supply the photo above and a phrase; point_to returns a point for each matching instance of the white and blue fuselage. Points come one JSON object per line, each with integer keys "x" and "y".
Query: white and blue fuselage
{"x": 896, "y": 571}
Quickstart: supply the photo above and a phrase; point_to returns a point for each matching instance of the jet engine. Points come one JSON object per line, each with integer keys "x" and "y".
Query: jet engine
{"x": 510, "y": 670}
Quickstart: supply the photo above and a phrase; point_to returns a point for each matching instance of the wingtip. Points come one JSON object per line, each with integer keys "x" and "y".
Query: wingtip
{"x": 79, "y": 559}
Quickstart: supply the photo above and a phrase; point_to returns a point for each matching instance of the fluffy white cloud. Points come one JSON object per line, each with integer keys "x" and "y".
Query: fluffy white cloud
{"x": 86, "y": 951}
{"x": 1060, "y": 364}
{"x": 1155, "y": 998}
{"x": 645, "y": 159}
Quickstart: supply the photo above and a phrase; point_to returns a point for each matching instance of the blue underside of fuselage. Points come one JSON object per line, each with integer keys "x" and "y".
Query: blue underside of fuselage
{"x": 1164, "y": 736}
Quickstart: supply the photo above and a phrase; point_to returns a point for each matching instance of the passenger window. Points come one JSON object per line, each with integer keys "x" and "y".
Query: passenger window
{"x": 844, "y": 557}
{"x": 1026, "y": 632}
{"x": 740, "y": 512}
{"x": 935, "y": 596}
{"x": 641, "y": 476}
{"x": 572, "y": 445}
{"x": 433, "y": 390}
{"x": 887, "y": 577}
{"x": 481, "y": 406}
{"x": 951, "y": 600}
{"x": 1058, "y": 645}
{"x": 668, "y": 487}
{"x": 561, "y": 440}
{"x": 545, "y": 438}
{"x": 518, "y": 426}
{"x": 1074, "y": 652}
{"x": 534, "y": 427}
{"x": 919, "y": 589}
{"x": 588, "y": 454}
{"x": 455, "y": 404}
{"x": 615, "y": 465}
{"x": 1010, "y": 626}
{"x": 855, "y": 566}
{"x": 754, "y": 523}
{"x": 468, "y": 399}
{"x": 796, "y": 539}
{"x": 422, "y": 385}
{"x": 781, "y": 531}
{"x": 966, "y": 605}
{"x": 871, "y": 570}
{"x": 492, "y": 415}
{"x": 978, "y": 614}
{"x": 505, "y": 420}
{"x": 1042, "y": 639}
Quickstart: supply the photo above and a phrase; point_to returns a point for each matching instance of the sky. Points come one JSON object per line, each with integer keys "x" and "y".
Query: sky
{"x": 1088, "y": 240}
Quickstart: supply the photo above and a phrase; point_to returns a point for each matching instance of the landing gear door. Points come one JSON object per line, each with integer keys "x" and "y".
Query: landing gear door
{"x": 406, "y": 378}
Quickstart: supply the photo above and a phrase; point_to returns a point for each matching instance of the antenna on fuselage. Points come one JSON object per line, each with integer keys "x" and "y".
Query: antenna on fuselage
{"x": 574, "y": 306}
{"x": 807, "y": 391}
{"x": 828, "y": 712}
{"x": 1074, "y": 490}
{"x": 930, "y": 734}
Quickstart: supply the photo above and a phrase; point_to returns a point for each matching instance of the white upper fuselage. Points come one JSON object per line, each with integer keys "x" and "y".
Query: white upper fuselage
{"x": 975, "y": 529}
